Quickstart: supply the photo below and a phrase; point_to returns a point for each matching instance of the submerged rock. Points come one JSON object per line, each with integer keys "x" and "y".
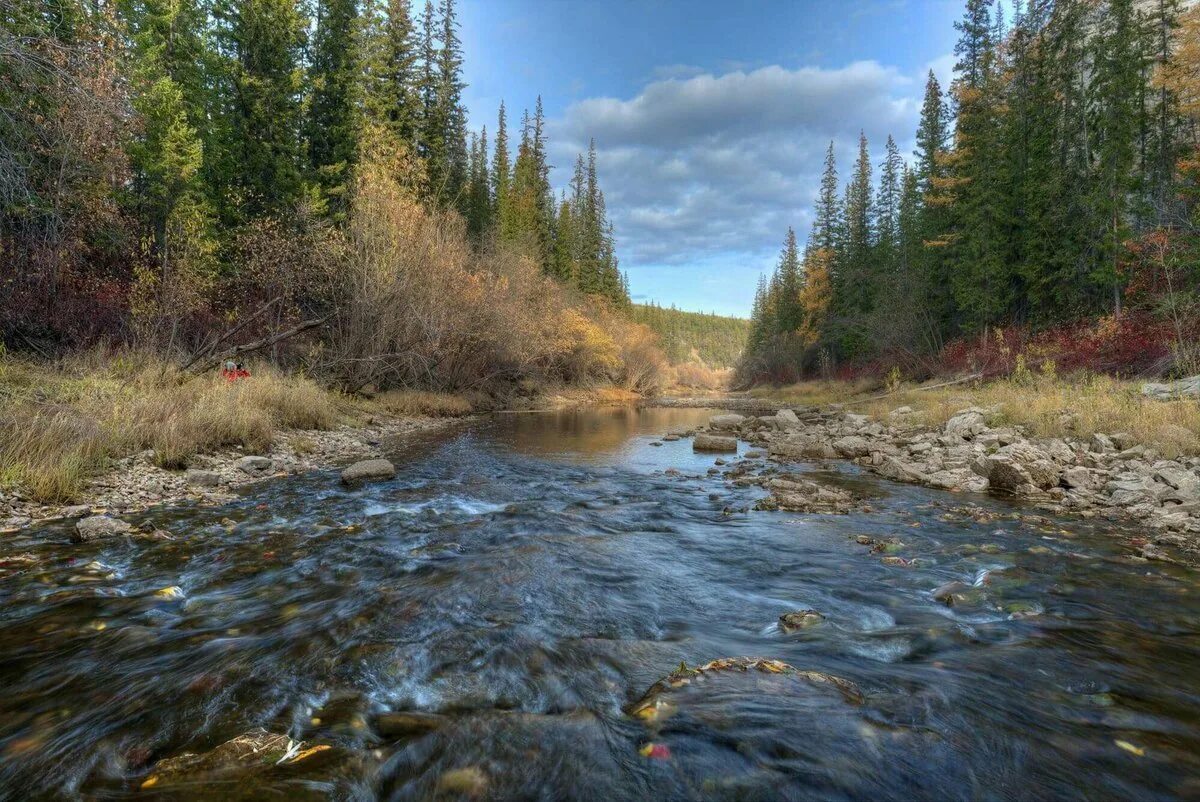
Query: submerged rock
{"x": 796, "y": 494}
{"x": 712, "y": 442}
{"x": 241, "y": 768}
{"x": 96, "y": 527}
{"x": 404, "y": 724}
{"x": 367, "y": 470}
{"x": 654, "y": 702}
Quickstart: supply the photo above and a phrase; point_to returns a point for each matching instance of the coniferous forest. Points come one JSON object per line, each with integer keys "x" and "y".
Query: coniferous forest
{"x": 303, "y": 173}
{"x": 1053, "y": 184}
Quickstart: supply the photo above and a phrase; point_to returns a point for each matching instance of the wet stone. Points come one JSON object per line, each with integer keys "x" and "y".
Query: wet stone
{"x": 98, "y": 527}
{"x": 801, "y": 619}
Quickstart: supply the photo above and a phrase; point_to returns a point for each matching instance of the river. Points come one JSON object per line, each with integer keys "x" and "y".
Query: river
{"x": 527, "y": 577}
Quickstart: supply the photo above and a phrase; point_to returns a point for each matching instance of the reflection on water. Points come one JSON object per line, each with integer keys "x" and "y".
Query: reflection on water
{"x": 527, "y": 579}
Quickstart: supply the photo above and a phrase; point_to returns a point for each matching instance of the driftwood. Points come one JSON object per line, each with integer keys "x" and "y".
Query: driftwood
{"x": 961, "y": 380}
{"x": 265, "y": 342}
{"x": 208, "y": 349}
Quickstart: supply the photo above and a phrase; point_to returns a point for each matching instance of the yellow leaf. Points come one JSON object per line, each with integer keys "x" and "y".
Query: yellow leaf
{"x": 172, "y": 592}
{"x": 1130, "y": 748}
{"x": 150, "y": 782}
{"x": 310, "y": 752}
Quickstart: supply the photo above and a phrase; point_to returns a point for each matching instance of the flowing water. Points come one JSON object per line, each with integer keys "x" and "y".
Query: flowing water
{"x": 528, "y": 577}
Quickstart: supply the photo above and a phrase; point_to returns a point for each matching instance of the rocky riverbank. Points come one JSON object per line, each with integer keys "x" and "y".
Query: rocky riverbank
{"x": 134, "y": 483}
{"x": 1107, "y": 475}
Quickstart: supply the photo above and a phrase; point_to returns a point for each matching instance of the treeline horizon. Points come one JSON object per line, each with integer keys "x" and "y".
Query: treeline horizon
{"x": 706, "y": 338}
{"x": 1055, "y": 180}
{"x": 148, "y": 143}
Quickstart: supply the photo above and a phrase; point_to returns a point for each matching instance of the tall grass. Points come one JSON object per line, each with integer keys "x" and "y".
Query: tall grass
{"x": 60, "y": 425}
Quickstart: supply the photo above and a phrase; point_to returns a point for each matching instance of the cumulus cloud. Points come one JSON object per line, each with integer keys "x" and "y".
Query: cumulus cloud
{"x": 712, "y": 168}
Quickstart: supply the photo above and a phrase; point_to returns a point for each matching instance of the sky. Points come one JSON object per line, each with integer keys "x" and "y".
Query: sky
{"x": 711, "y": 117}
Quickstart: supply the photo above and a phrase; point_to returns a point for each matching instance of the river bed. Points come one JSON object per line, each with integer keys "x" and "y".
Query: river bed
{"x": 527, "y": 577}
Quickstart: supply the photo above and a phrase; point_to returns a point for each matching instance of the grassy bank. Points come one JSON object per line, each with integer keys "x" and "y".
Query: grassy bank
{"x": 62, "y": 423}
{"x": 1047, "y": 405}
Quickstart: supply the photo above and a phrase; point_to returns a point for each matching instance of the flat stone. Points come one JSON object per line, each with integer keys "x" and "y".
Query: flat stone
{"x": 712, "y": 442}
{"x": 725, "y": 422}
{"x": 367, "y": 470}
{"x": 76, "y": 511}
{"x": 255, "y": 465}
{"x": 200, "y": 478}
{"x": 97, "y": 527}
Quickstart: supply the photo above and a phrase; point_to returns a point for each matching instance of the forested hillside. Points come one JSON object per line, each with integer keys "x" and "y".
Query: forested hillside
{"x": 712, "y": 339}
{"x": 173, "y": 171}
{"x": 1054, "y": 183}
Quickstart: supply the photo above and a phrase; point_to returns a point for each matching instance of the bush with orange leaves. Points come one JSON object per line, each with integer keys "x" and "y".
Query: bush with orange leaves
{"x": 413, "y": 305}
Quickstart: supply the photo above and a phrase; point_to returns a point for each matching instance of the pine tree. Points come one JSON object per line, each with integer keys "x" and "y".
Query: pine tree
{"x": 501, "y": 178}
{"x": 887, "y": 205}
{"x": 261, "y": 157}
{"x": 333, "y": 123}
{"x": 449, "y": 98}
{"x": 391, "y": 95}
{"x": 790, "y": 278}
{"x": 825, "y": 223}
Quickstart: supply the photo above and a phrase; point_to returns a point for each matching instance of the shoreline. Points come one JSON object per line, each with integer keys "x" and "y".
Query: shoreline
{"x": 1109, "y": 477}
{"x": 133, "y": 484}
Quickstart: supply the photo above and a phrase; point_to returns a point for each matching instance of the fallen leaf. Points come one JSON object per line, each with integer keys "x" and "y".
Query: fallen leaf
{"x": 1130, "y": 748}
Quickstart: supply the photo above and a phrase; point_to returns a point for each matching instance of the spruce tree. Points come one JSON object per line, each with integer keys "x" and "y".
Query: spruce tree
{"x": 391, "y": 95}
{"x": 263, "y": 42}
{"x": 825, "y": 223}
{"x": 333, "y": 123}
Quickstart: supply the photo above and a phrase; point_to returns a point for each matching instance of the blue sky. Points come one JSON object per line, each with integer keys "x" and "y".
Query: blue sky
{"x": 711, "y": 117}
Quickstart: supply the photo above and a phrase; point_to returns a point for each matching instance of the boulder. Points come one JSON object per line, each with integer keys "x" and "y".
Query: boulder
{"x": 76, "y": 511}
{"x": 1016, "y": 468}
{"x": 97, "y": 527}
{"x": 713, "y": 442}
{"x": 202, "y": 478}
{"x": 1178, "y": 477}
{"x": 1189, "y": 387}
{"x": 852, "y": 447}
{"x": 966, "y": 423}
{"x": 1079, "y": 478}
{"x": 786, "y": 419}
{"x": 368, "y": 470}
{"x": 725, "y": 423}
{"x": 255, "y": 465}
{"x": 1129, "y": 489}
{"x": 801, "y": 446}
{"x": 899, "y": 471}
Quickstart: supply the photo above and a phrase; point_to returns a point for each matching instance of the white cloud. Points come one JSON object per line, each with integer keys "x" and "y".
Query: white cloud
{"x": 704, "y": 167}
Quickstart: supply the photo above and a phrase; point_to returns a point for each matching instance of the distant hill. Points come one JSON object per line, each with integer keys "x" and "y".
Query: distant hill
{"x": 691, "y": 336}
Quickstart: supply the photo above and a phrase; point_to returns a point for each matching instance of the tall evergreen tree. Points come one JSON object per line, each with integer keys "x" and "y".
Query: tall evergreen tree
{"x": 391, "y": 93}
{"x": 261, "y": 157}
{"x": 332, "y": 127}
{"x": 825, "y": 223}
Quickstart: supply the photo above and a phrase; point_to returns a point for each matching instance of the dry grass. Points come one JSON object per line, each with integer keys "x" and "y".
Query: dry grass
{"x": 1075, "y": 406}
{"x": 60, "y": 425}
{"x": 420, "y": 402}
{"x": 816, "y": 393}
{"x": 698, "y": 376}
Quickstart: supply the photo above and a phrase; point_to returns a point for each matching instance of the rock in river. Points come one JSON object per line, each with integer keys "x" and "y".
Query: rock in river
{"x": 801, "y": 619}
{"x": 96, "y": 527}
{"x": 713, "y": 442}
{"x": 725, "y": 422}
{"x": 367, "y": 470}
